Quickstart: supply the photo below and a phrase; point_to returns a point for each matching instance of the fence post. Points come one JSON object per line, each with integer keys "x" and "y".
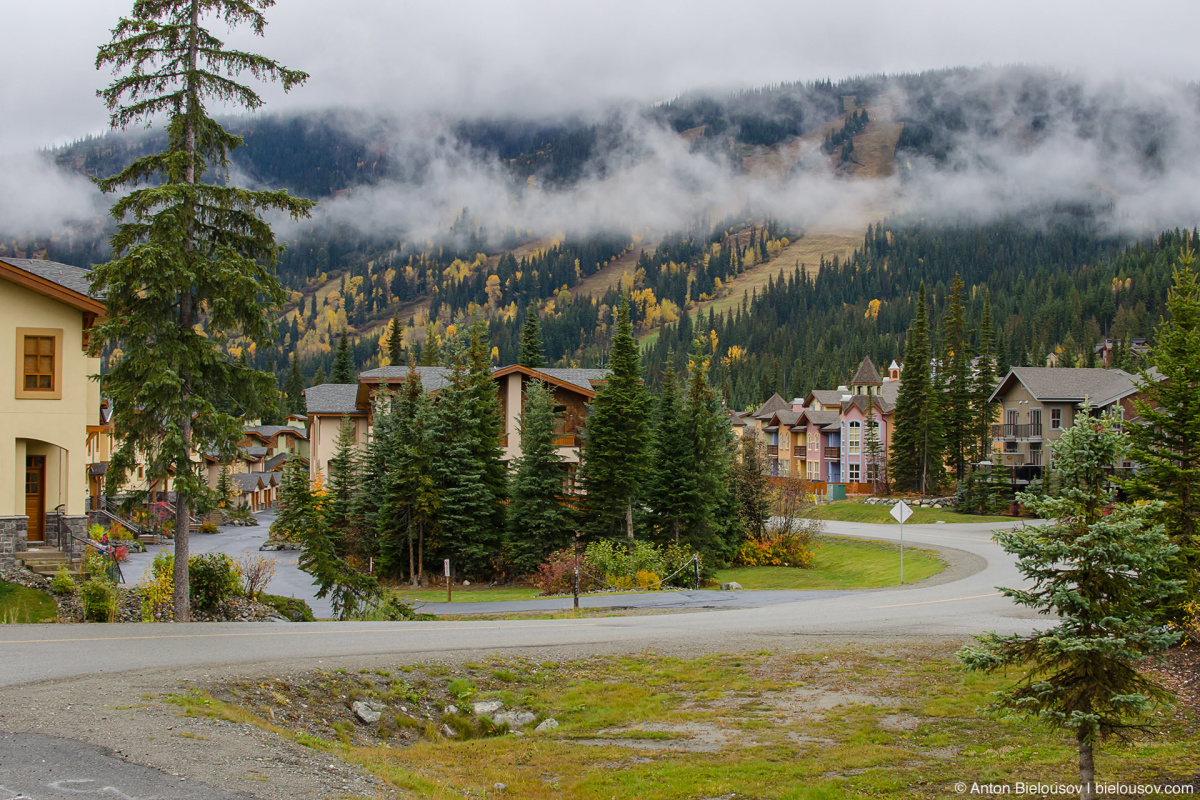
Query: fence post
{"x": 696, "y": 564}
{"x": 575, "y": 586}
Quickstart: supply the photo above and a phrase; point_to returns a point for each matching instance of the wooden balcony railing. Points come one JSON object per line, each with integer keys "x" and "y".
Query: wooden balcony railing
{"x": 565, "y": 440}
{"x": 1006, "y": 430}
{"x": 800, "y": 452}
{"x": 833, "y": 454}
{"x": 772, "y": 449}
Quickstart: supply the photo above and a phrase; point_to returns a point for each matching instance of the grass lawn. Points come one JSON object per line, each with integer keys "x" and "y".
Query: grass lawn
{"x": 897, "y": 720}
{"x": 842, "y": 564}
{"x": 858, "y": 511}
{"x": 469, "y": 594}
{"x": 18, "y": 604}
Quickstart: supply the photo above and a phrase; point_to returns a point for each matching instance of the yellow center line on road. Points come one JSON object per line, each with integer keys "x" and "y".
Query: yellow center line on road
{"x": 947, "y": 600}
{"x": 277, "y": 633}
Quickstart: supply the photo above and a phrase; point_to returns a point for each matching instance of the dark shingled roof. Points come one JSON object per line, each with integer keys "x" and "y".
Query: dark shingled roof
{"x": 824, "y": 417}
{"x": 861, "y": 400}
{"x": 579, "y": 377}
{"x": 432, "y": 378}
{"x": 332, "y": 398}
{"x": 276, "y": 461}
{"x": 64, "y": 275}
{"x": 773, "y": 404}
{"x": 827, "y": 397}
{"x": 267, "y": 431}
{"x": 867, "y": 374}
{"x": 787, "y": 417}
{"x": 1072, "y": 384}
{"x": 257, "y": 452}
{"x": 98, "y": 469}
{"x": 246, "y": 481}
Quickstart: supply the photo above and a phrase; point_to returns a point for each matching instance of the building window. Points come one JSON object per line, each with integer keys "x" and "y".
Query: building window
{"x": 855, "y": 440}
{"x": 1010, "y": 447}
{"x": 39, "y": 363}
{"x": 1056, "y": 419}
{"x": 854, "y": 473}
{"x": 1035, "y": 420}
{"x": 814, "y": 470}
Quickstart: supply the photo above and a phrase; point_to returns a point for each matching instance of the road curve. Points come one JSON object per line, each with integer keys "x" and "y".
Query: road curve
{"x": 962, "y": 603}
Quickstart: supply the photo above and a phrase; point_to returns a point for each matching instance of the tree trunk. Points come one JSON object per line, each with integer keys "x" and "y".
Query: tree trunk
{"x": 1087, "y": 767}
{"x": 420, "y": 554}
{"x": 412, "y": 569}
{"x": 629, "y": 524}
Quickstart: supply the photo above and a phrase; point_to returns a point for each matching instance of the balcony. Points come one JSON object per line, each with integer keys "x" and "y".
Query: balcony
{"x": 773, "y": 450}
{"x": 1006, "y": 430}
{"x": 800, "y": 452}
{"x": 565, "y": 440}
{"x": 833, "y": 454}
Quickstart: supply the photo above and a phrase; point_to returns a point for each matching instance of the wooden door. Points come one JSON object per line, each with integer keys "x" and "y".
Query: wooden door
{"x": 35, "y": 497}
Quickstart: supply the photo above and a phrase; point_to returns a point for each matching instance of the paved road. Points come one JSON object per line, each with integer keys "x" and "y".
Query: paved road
{"x": 961, "y": 606}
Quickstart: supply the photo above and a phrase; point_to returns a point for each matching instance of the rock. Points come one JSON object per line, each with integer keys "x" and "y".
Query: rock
{"x": 732, "y": 586}
{"x": 367, "y": 712}
{"x": 451, "y": 709}
{"x": 546, "y": 725}
{"x": 488, "y": 707}
{"x": 449, "y": 732}
{"x": 514, "y": 719}
{"x": 499, "y": 787}
{"x": 466, "y": 583}
{"x": 271, "y": 546}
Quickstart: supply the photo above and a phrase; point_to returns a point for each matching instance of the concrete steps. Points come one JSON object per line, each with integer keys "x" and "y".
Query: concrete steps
{"x": 47, "y": 561}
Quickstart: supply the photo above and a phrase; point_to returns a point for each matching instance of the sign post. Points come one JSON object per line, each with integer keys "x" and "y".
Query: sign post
{"x": 446, "y": 569}
{"x": 901, "y": 511}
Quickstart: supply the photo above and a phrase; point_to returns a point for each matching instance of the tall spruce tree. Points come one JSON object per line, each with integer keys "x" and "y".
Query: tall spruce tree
{"x": 189, "y": 250}
{"x": 984, "y": 413}
{"x": 712, "y": 447}
{"x": 538, "y": 522}
{"x": 956, "y": 417}
{"x": 343, "y": 362}
{"x": 874, "y": 450}
{"x": 671, "y": 485}
{"x": 293, "y": 388}
{"x": 1099, "y": 569}
{"x": 749, "y": 485}
{"x": 1166, "y": 443}
{"x": 914, "y": 449}
{"x": 531, "y": 354}
{"x": 395, "y": 342}
{"x": 343, "y": 483}
{"x": 615, "y": 452}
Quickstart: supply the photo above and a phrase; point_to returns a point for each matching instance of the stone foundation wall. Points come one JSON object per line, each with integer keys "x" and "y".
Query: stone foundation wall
{"x": 73, "y": 527}
{"x": 13, "y": 537}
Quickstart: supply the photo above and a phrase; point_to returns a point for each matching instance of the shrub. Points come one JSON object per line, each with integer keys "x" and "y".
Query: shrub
{"x": 99, "y": 600}
{"x": 214, "y": 578}
{"x": 157, "y": 588}
{"x": 257, "y": 571}
{"x": 647, "y": 580}
{"x": 62, "y": 583}
{"x": 289, "y": 607}
{"x": 120, "y": 553}
{"x": 95, "y": 532}
{"x": 208, "y": 526}
{"x": 776, "y": 549}
{"x": 612, "y": 560}
{"x": 556, "y": 575}
{"x": 118, "y": 533}
{"x": 394, "y": 610}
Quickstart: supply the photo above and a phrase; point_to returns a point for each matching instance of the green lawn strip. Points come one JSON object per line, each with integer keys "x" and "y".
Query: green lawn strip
{"x": 468, "y": 594}
{"x": 842, "y": 564}
{"x": 857, "y": 511}
{"x": 20, "y": 604}
{"x": 839, "y": 724}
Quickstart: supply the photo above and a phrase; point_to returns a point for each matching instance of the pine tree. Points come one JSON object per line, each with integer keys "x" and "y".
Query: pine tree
{"x": 956, "y": 412}
{"x": 1166, "y": 442}
{"x": 914, "y": 449}
{"x": 711, "y": 450}
{"x": 1101, "y": 573}
{"x": 343, "y": 363}
{"x": 431, "y": 355}
{"x": 538, "y": 522}
{"x": 319, "y": 377}
{"x": 395, "y": 342}
{"x": 614, "y": 451}
{"x": 671, "y": 485}
{"x": 187, "y": 251}
{"x": 343, "y": 479}
{"x": 983, "y": 412}
{"x": 531, "y": 354}
{"x": 749, "y": 485}
{"x": 224, "y": 488}
{"x": 873, "y": 449}
{"x": 293, "y": 389}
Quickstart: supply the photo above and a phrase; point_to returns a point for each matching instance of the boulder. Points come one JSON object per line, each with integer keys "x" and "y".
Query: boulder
{"x": 367, "y": 712}
{"x": 514, "y": 719}
{"x": 732, "y": 586}
{"x": 451, "y": 709}
{"x": 546, "y": 725}
{"x": 488, "y": 707}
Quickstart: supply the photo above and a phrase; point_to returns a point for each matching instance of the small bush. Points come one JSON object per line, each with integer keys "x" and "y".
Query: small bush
{"x": 62, "y": 583}
{"x": 208, "y": 526}
{"x": 776, "y": 549}
{"x": 118, "y": 533}
{"x": 289, "y": 607}
{"x": 99, "y": 600}
{"x": 557, "y": 575}
{"x": 257, "y": 571}
{"x": 95, "y": 532}
{"x": 214, "y": 578}
{"x": 157, "y": 588}
{"x": 647, "y": 580}
{"x": 394, "y": 610}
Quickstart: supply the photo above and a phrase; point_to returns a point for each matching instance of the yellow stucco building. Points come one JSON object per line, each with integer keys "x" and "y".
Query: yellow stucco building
{"x": 47, "y": 402}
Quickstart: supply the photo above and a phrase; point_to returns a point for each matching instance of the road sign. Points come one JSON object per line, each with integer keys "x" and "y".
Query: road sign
{"x": 446, "y": 567}
{"x": 901, "y": 511}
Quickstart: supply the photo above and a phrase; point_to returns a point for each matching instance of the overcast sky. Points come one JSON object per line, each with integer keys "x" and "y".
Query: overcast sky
{"x": 524, "y": 56}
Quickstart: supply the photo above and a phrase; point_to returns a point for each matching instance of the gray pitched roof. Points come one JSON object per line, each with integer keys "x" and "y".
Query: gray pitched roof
{"x": 773, "y": 404}
{"x": 268, "y": 431}
{"x": 246, "y": 481}
{"x": 786, "y": 416}
{"x": 332, "y": 398}
{"x": 276, "y": 461}
{"x": 579, "y": 377}
{"x": 64, "y": 275}
{"x": 1071, "y": 384}
{"x": 824, "y": 417}
{"x": 827, "y": 397}
{"x": 889, "y": 391}
{"x": 257, "y": 452}
{"x": 432, "y": 378}
{"x": 867, "y": 374}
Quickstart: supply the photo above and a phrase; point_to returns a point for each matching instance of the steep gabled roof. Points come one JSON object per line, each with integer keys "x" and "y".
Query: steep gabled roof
{"x": 861, "y": 400}
{"x": 582, "y": 380}
{"x": 773, "y": 404}
{"x": 1069, "y": 384}
{"x": 332, "y": 398}
{"x": 62, "y": 282}
{"x": 826, "y": 397}
{"x": 785, "y": 417}
{"x": 432, "y": 378}
{"x": 867, "y": 375}
{"x": 823, "y": 417}
{"x": 269, "y": 431}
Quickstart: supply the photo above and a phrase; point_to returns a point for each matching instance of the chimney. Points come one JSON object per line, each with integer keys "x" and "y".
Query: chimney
{"x": 797, "y": 404}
